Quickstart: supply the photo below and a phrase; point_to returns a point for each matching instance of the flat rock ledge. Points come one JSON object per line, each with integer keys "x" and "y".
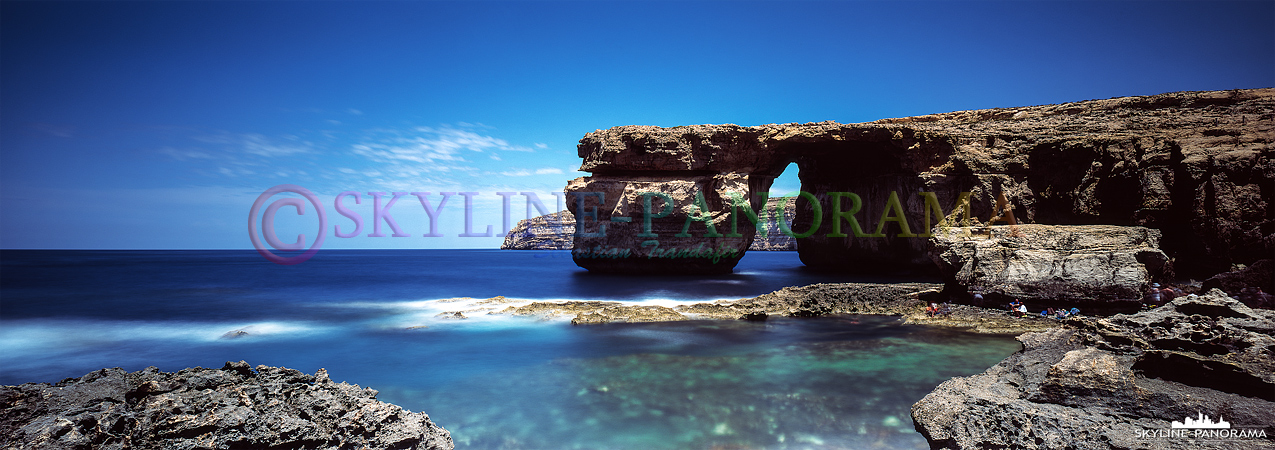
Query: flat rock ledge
{"x": 1119, "y": 383}
{"x": 899, "y": 299}
{"x": 198, "y": 408}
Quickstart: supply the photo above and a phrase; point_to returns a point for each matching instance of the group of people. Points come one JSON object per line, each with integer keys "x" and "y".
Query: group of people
{"x": 1018, "y": 309}
{"x": 935, "y": 310}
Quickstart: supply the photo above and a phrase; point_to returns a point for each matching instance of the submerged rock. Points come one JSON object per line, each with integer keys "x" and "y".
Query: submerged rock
{"x": 1051, "y": 263}
{"x": 1119, "y": 383}
{"x": 231, "y": 407}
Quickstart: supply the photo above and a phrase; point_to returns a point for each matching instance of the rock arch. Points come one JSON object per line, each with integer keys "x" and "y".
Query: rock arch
{"x": 1196, "y": 165}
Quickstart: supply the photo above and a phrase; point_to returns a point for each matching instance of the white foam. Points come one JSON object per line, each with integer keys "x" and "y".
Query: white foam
{"x": 42, "y": 335}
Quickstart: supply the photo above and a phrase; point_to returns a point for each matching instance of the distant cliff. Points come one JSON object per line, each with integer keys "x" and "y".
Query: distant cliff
{"x": 556, "y": 231}
{"x": 548, "y": 232}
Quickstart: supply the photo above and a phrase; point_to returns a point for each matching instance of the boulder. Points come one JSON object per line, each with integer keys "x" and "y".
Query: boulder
{"x": 1050, "y": 263}
{"x": 231, "y": 407}
{"x": 1119, "y": 383}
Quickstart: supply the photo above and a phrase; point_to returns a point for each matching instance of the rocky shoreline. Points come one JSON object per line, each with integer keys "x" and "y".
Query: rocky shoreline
{"x": 1086, "y": 383}
{"x": 235, "y": 406}
{"x": 1119, "y": 383}
{"x": 906, "y": 300}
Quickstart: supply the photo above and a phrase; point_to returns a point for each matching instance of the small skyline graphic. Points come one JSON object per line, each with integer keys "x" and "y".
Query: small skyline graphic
{"x": 1202, "y": 421}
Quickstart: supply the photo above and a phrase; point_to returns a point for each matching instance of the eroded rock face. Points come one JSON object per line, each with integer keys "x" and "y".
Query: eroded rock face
{"x": 1100, "y": 383}
{"x": 1195, "y": 165}
{"x": 1051, "y": 263}
{"x": 231, "y": 407}
{"x": 1259, "y": 274}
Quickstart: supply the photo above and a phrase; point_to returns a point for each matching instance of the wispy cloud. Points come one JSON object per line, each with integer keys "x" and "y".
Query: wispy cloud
{"x": 184, "y": 154}
{"x": 257, "y": 144}
{"x": 525, "y": 172}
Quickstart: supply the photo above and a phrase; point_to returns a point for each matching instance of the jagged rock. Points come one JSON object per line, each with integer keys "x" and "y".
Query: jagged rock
{"x": 1260, "y": 274}
{"x": 1195, "y": 165}
{"x": 556, "y": 231}
{"x": 1104, "y": 383}
{"x": 1050, "y": 263}
{"x": 231, "y": 407}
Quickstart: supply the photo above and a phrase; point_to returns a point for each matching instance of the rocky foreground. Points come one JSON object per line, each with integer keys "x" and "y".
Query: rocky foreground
{"x": 1119, "y": 383}
{"x": 232, "y": 407}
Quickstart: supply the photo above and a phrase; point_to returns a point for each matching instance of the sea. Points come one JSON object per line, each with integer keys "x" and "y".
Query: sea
{"x": 384, "y": 319}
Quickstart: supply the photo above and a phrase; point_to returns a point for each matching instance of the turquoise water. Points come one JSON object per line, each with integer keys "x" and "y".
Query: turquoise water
{"x": 495, "y": 381}
{"x": 822, "y": 383}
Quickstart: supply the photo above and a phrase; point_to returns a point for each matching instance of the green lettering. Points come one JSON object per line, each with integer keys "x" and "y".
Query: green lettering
{"x": 892, "y": 205}
{"x": 646, "y": 211}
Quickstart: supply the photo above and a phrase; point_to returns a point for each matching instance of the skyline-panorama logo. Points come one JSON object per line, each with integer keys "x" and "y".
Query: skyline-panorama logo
{"x": 1201, "y": 422}
{"x": 1203, "y": 427}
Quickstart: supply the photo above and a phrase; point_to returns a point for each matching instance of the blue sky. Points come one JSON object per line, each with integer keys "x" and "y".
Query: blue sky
{"x": 155, "y": 125}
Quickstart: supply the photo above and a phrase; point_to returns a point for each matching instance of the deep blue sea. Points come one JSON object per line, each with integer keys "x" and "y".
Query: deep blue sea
{"x": 371, "y": 317}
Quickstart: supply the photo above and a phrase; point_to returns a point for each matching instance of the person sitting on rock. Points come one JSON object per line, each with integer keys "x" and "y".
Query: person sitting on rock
{"x": 933, "y": 309}
{"x": 1022, "y": 310}
{"x": 1153, "y": 295}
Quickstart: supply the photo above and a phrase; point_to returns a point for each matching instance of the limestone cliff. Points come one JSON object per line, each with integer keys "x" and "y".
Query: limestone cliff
{"x": 547, "y": 232}
{"x": 1195, "y": 165}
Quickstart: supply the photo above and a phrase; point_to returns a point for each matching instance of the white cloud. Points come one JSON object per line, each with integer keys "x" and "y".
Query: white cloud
{"x": 548, "y": 171}
{"x": 541, "y": 145}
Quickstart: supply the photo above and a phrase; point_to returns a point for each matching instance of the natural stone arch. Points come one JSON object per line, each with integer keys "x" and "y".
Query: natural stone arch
{"x": 1201, "y": 162}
